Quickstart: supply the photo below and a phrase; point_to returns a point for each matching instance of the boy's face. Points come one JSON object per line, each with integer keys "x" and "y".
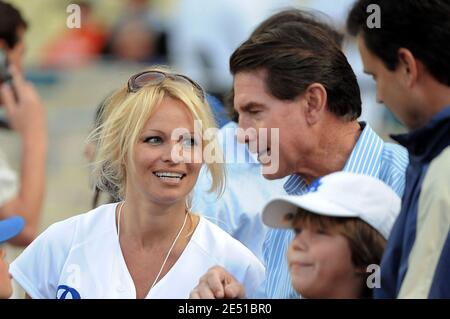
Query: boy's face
{"x": 320, "y": 263}
{"x": 5, "y": 277}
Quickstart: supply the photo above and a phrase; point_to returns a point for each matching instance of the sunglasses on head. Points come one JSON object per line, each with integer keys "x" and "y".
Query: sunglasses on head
{"x": 139, "y": 80}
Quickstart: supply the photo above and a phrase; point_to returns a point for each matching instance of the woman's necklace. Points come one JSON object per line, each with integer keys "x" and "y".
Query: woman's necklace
{"x": 170, "y": 249}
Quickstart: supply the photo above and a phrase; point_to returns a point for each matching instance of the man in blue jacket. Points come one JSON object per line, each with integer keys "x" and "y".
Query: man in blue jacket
{"x": 408, "y": 55}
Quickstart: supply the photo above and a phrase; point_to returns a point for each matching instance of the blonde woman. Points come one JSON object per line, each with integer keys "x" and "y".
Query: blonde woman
{"x": 148, "y": 245}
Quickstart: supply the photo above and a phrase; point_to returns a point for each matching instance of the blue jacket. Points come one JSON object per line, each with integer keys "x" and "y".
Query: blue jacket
{"x": 424, "y": 145}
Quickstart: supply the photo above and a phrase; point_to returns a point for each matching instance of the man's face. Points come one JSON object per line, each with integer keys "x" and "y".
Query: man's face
{"x": 392, "y": 89}
{"x": 260, "y": 111}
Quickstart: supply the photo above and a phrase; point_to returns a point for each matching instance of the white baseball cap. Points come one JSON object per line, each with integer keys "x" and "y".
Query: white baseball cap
{"x": 340, "y": 194}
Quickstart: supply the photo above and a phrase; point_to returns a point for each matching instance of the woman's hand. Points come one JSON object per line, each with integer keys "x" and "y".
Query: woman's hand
{"x": 217, "y": 283}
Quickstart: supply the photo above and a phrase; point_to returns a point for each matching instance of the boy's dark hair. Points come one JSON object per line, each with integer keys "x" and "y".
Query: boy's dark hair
{"x": 10, "y": 22}
{"x": 296, "y": 55}
{"x": 421, "y": 26}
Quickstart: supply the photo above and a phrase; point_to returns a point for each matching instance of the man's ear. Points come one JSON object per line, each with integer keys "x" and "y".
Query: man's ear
{"x": 408, "y": 66}
{"x": 315, "y": 97}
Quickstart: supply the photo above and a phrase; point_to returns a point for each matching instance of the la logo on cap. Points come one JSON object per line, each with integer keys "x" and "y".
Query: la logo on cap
{"x": 315, "y": 185}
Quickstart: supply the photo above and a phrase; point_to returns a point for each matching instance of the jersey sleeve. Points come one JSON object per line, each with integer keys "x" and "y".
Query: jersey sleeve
{"x": 38, "y": 268}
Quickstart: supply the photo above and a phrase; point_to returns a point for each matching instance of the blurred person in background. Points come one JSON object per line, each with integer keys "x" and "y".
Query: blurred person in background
{"x": 75, "y": 47}
{"x": 21, "y": 195}
{"x": 138, "y": 35}
{"x": 203, "y": 34}
{"x": 26, "y": 116}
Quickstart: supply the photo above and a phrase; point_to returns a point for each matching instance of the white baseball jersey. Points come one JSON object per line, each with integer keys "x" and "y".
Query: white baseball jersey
{"x": 81, "y": 258}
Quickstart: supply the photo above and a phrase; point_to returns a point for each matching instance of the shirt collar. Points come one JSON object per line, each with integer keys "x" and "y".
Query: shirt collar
{"x": 295, "y": 185}
{"x": 365, "y": 158}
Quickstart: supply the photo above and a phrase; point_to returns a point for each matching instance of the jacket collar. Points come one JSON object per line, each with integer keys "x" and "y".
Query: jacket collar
{"x": 427, "y": 142}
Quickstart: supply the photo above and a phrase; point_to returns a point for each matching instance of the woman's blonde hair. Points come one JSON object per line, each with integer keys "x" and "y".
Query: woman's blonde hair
{"x": 123, "y": 118}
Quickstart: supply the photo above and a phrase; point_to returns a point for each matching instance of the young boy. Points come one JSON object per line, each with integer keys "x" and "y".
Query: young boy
{"x": 9, "y": 228}
{"x": 341, "y": 226}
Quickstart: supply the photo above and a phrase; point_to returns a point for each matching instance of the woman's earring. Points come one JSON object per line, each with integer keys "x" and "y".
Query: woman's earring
{"x": 188, "y": 204}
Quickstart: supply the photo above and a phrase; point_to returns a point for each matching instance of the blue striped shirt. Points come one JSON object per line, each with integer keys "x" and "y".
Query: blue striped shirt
{"x": 370, "y": 156}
